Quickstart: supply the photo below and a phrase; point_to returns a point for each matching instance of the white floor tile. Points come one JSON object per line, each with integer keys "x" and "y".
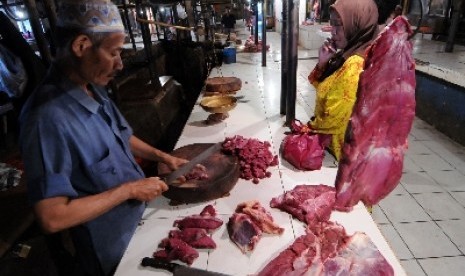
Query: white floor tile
{"x": 430, "y": 162}
{"x": 395, "y": 241}
{"x": 426, "y": 240}
{"x": 403, "y": 208}
{"x": 412, "y": 268}
{"x": 419, "y": 182}
{"x": 378, "y": 216}
{"x": 440, "y": 206}
{"x": 450, "y": 180}
{"x": 460, "y": 197}
{"x": 453, "y": 266}
{"x": 455, "y": 229}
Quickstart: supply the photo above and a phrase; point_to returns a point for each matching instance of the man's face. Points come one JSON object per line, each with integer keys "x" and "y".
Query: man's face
{"x": 100, "y": 64}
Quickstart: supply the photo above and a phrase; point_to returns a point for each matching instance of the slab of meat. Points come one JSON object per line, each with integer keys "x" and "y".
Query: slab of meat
{"x": 195, "y": 237}
{"x": 307, "y": 203}
{"x": 205, "y": 220}
{"x": 243, "y": 232}
{"x": 327, "y": 250}
{"x": 247, "y": 224}
{"x": 176, "y": 249}
{"x": 376, "y": 138}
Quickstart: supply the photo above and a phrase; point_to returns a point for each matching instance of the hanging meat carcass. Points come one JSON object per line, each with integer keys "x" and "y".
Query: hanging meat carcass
{"x": 376, "y": 139}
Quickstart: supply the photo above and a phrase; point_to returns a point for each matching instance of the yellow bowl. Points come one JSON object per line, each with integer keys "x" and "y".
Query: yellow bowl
{"x": 218, "y": 104}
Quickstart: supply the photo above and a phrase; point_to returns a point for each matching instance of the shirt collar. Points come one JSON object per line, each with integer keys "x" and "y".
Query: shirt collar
{"x": 77, "y": 93}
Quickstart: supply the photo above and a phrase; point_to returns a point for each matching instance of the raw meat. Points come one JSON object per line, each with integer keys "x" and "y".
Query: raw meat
{"x": 307, "y": 203}
{"x": 261, "y": 217}
{"x": 176, "y": 249}
{"x": 205, "y": 220}
{"x": 195, "y": 237}
{"x": 327, "y": 250}
{"x": 198, "y": 172}
{"x": 376, "y": 138}
{"x": 247, "y": 224}
{"x": 254, "y": 156}
{"x": 209, "y": 210}
{"x": 243, "y": 232}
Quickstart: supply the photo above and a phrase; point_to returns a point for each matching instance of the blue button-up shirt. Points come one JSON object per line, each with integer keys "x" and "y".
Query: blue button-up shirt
{"x": 74, "y": 146}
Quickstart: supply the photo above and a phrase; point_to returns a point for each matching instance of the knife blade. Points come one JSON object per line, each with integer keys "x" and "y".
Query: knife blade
{"x": 177, "y": 269}
{"x": 184, "y": 169}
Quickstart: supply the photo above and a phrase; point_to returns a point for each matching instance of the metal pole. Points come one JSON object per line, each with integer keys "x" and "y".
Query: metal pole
{"x": 42, "y": 43}
{"x": 50, "y": 9}
{"x": 128, "y": 23}
{"x": 256, "y": 24}
{"x": 263, "y": 33}
{"x": 293, "y": 31}
{"x": 146, "y": 37}
{"x": 284, "y": 56}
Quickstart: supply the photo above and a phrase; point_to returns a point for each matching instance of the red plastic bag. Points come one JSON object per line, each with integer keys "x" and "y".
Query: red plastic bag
{"x": 303, "y": 149}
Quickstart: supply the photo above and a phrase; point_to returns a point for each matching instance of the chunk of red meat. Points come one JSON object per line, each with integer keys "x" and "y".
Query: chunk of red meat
{"x": 376, "y": 138}
{"x": 195, "y": 237}
{"x": 243, "y": 232}
{"x": 176, "y": 249}
{"x": 197, "y": 221}
{"x": 308, "y": 203}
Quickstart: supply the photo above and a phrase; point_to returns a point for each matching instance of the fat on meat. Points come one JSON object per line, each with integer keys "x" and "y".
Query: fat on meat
{"x": 326, "y": 249}
{"x": 307, "y": 203}
{"x": 376, "y": 138}
{"x": 260, "y": 216}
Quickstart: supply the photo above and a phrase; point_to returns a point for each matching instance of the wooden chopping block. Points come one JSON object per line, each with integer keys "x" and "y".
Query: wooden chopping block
{"x": 223, "y": 171}
{"x": 223, "y": 84}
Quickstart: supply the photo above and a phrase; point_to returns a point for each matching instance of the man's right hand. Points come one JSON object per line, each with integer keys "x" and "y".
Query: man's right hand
{"x": 147, "y": 189}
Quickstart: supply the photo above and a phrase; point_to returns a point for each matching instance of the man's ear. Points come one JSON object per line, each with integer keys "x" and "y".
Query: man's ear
{"x": 80, "y": 44}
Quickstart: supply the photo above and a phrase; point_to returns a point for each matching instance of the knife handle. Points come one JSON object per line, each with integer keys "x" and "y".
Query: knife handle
{"x": 157, "y": 263}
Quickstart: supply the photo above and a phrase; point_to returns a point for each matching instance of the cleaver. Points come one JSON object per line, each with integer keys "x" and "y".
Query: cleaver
{"x": 171, "y": 178}
{"x": 177, "y": 269}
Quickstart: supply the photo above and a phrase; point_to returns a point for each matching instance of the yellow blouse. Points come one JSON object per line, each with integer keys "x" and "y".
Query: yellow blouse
{"x": 335, "y": 98}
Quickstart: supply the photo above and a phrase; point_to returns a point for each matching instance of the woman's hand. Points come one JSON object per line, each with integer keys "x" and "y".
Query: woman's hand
{"x": 326, "y": 52}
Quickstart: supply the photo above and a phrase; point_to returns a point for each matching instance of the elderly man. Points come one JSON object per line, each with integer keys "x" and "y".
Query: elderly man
{"x": 78, "y": 149}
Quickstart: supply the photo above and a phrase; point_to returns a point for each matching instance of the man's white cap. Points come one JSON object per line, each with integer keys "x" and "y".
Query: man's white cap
{"x": 97, "y": 16}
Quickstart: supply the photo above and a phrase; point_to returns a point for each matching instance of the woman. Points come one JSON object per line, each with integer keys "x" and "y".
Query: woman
{"x": 335, "y": 77}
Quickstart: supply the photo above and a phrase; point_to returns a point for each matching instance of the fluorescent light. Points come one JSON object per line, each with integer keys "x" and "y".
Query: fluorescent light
{"x": 20, "y": 14}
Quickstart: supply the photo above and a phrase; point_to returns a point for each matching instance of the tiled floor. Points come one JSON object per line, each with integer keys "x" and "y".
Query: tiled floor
{"x": 423, "y": 219}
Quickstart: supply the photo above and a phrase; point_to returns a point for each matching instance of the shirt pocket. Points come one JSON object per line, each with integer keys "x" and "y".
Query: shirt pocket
{"x": 105, "y": 173}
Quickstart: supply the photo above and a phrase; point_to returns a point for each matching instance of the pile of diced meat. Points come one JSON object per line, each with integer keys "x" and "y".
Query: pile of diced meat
{"x": 251, "y": 47}
{"x": 198, "y": 172}
{"x": 254, "y": 156}
{"x": 193, "y": 232}
{"x": 246, "y": 225}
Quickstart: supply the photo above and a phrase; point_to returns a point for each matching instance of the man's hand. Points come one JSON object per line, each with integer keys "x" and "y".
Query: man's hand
{"x": 146, "y": 189}
{"x": 174, "y": 162}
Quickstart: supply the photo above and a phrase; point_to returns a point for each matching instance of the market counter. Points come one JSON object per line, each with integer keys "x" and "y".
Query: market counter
{"x": 255, "y": 116}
